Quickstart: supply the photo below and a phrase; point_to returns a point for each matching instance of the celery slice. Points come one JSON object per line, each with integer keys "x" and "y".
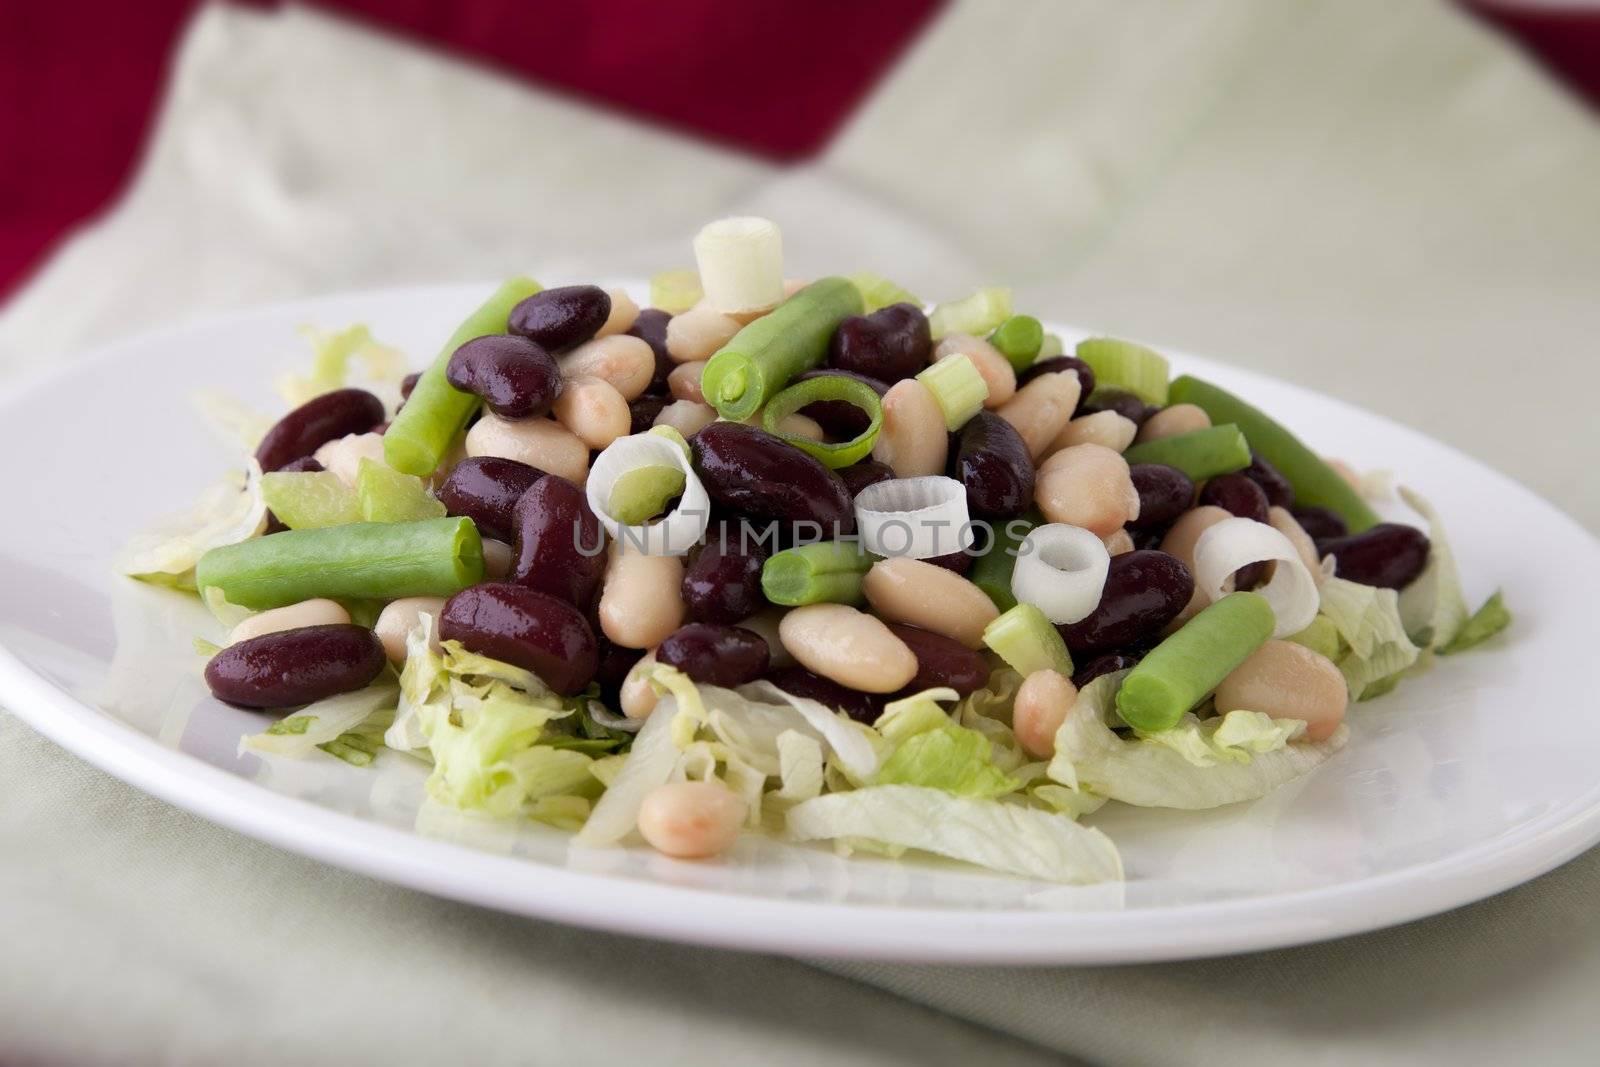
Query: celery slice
{"x": 386, "y": 495}
{"x": 1128, "y": 366}
{"x": 310, "y": 500}
{"x": 978, "y": 314}
{"x": 1027, "y": 641}
{"x": 675, "y": 291}
{"x": 879, "y": 292}
{"x": 958, "y": 387}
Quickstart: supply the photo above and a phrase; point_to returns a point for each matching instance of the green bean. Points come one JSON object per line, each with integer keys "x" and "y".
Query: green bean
{"x": 1314, "y": 482}
{"x": 1200, "y": 454}
{"x": 363, "y": 560}
{"x": 764, "y": 356}
{"x": 1180, "y": 671}
{"x": 436, "y": 413}
{"x": 828, "y": 571}
{"x": 992, "y": 570}
{"x": 1019, "y": 339}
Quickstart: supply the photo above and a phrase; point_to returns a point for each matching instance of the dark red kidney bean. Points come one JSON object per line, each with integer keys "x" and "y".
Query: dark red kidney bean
{"x": 722, "y": 584}
{"x": 957, "y": 561}
{"x": 553, "y": 523}
{"x": 1147, "y": 536}
{"x": 1144, "y": 591}
{"x": 643, "y": 411}
{"x": 516, "y": 378}
{"x": 889, "y": 344}
{"x": 303, "y": 465}
{"x": 294, "y": 667}
{"x": 1389, "y": 555}
{"x": 753, "y": 472}
{"x": 1124, "y": 403}
{"x": 1280, "y": 494}
{"x": 486, "y": 489}
{"x": 1116, "y": 661}
{"x": 651, "y": 328}
{"x": 1237, "y": 495}
{"x": 561, "y": 318}
{"x": 1320, "y": 523}
{"x": 941, "y": 661}
{"x": 994, "y": 466}
{"x": 1057, "y": 365}
{"x": 840, "y": 419}
{"x": 525, "y": 628}
{"x": 862, "y": 707}
{"x": 614, "y": 663}
{"x": 1164, "y": 494}
{"x": 408, "y": 383}
{"x": 715, "y": 654}
{"x": 1249, "y": 577}
{"x": 316, "y": 422}
{"x": 858, "y": 476}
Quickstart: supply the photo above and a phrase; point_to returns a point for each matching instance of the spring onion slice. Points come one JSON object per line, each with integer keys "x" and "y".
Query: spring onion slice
{"x": 977, "y": 314}
{"x": 827, "y": 387}
{"x": 741, "y": 263}
{"x": 1234, "y": 543}
{"x": 683, "y": 526}
{"x": 916, "y": 517}
{"x": 1061, "y": 570}
{"x": 675, "y": 291}
{"x": 1127, "y": 366}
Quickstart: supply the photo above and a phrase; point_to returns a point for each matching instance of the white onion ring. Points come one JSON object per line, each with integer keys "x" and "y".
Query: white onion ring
{"x": 916, "y": 517}
{"x": 1234, "y": 543}
{"x": 1061, "y": 570}
{"x": 684, "y": 525}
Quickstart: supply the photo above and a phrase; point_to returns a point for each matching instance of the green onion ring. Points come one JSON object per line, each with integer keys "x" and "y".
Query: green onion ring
{"x": 827, "y": 387}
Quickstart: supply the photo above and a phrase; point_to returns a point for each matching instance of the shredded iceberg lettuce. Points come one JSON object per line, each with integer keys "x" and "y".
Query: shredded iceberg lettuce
{"x": 325, "y": 721}
{"x": 1236, "y": 737}
{"x": 1487, "y": 621}
{"x": 1368, "y": 621}
{"x": 230, "y": 511}
{"x": 333, "y": 351}
{"x": 949, "y": 757}
{"x": 1433, "y": 607}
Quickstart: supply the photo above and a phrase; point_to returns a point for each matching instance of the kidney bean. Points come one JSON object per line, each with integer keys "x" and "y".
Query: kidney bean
{"x": 1280, "y": 494}
{"x": 486, "y": 489}
{"x": 858, "y": 476}
{"x": 1124, "y": 403}
{"x": 754, "y": 472}
{"x": 890, "y": 344}
{"x": 1389, "y": 555}
{"x": 715, "y": 654}
{"x": 1237, "y": 495}
{"x": 957, "y": 561}
{"x": 862, "y": 707}
{"x": 408, "y": 383}
{"x": 1164, "y": 494}
{"x": 561, "y": 318}
{"x": 1321, "y": 523}
{"x": 994, "y": 466}
{"x": 516, "y": 378}
{"x": 316, "y": 422}
{"x": 614, "y": 664}
{"x": 851, "y": 647}
{"x": 293, "y": 667}
{"x": 723, "y": 582}
{"x": 1116, "y": 661}
{"x": 840, "y": 419}
{"x": 651, "y": 328}
{"x": 1143, "y": 592}
{"x": 553, "y": 521}
{"x": 1057, "y": 365}
{"x": 941, "y": 661}
{"x": 643, "y": 411}
{"x": 1147, "y": 537}
{"x": 526, "y": 628}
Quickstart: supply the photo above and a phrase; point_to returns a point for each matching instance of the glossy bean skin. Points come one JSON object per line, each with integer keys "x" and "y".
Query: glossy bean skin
{"x": 1323, "y": 524}
{"x": 1280, "y": 494}
{"x": 1237, "y": 495}
{"x": 516, "y": 378}
{"x": 529, "y": 629}
{"x": 486, "y": 489}
{"x": 840, "y": 419}
{"x": 553, "y": 522}
{"x": 561, "y": 318}
{"x": 995, "y": 468}
{"x": 1058, "y": 365}
{"x": 890, "y": 344}
{"x": 722, "y": 584}
{"x": 321, "y": 419}
{"x": 1143, "y": 592}
{"x": 1164, "y": 494}
{"x": 858, "y": 476}
{"x": 862, "y": 707}
{"x": 1121, "y": 401}
{"x": 958, "y": 562}
{"x": 1390, "y": 555}
{"x": 751, "y": 471}
{"x": 716, "y": 655}
{"x": 941, "y": 661}
{"x": 614, "y": 664}
{"x": 651, "y": 328}
{"x": 643, "y": 411}
{"x": 1107, "y": 664}
{"x": 293, "y": 667}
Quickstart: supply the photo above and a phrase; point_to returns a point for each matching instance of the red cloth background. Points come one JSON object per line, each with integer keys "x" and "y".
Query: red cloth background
{"x": 80, "y": 79}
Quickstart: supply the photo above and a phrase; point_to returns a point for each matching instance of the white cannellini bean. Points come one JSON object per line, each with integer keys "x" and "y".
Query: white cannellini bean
{"x": 318, "y": 612}
{"x": 849, "y": 646}
{"x": 541, "y": 443}
{"x": 400, "y": 617}
{"x": 1040, "y": 409}
{"x": 623, "y": 313}
{"x": 1042, "y": 704}
{"x": 765, "y": 624}
{"x": 924, "y": 594}
{"x": 1088, "y": 486}
{"x": 802, "y": 426}
{"x": 686, "y": 416}
{"x": 594, "y": 411}
{"x": 1284, "y": 522}
{"x": 641, "y": 602}
{"x": 636, "y": 696}
{"x": 696, "y": 335}
{"x": 1105, "y": 428}
{"x": 1119, "y": 542}
{"x": 691, "y": 820}
{"x": 497, "y": 560}
{"x": 1288, "y": 681}
{"x": 912, "y": 440}
{"x": 995, "y": 368}
{"x": 684, "y": 381}
{"x": 343, "y": 457}
{"x": 1170, "y": 422}
{"x": 627, "y": 362}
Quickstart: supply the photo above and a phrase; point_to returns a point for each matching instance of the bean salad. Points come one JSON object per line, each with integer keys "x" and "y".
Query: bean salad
{"x": 803, "y": 557}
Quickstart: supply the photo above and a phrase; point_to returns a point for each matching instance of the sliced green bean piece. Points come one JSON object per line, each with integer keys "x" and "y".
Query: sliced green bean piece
{"x": 437, "y": 412}
{"x": 1314, "y": 482}
{"x": 828, "y": 571}
{"x": 1180, "y": 671}
{"x": 827, "y": 387}
{"x": 1019, "y": 339}
{"x": 363, "y": 560}
{"x": 1200, "y": 454}
{"x": 766, "y": 355}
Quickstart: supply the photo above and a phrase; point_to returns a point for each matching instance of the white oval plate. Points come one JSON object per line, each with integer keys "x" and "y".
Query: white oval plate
{"x": 1462, "y": 783}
